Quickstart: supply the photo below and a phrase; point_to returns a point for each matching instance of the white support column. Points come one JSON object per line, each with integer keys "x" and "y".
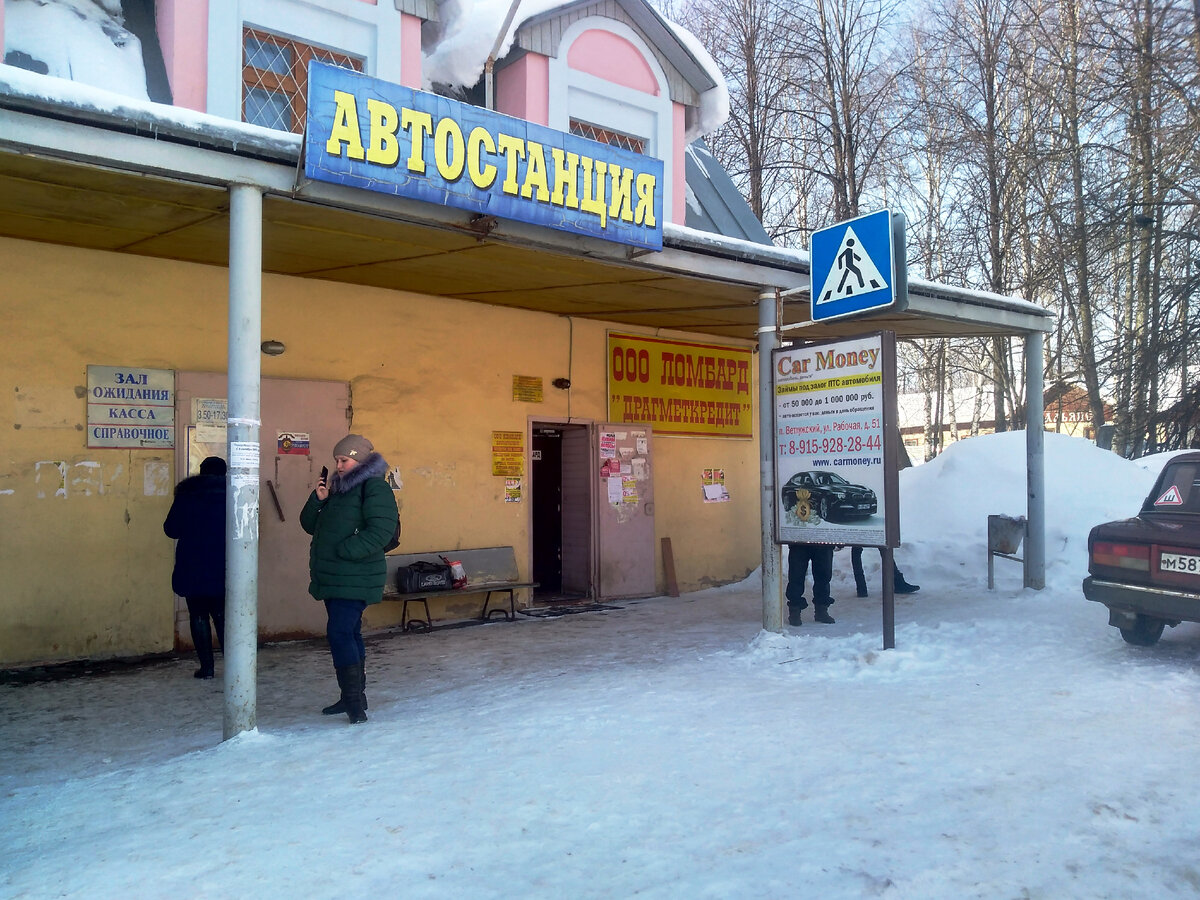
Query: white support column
{"x": 241, "y": 509}
{"x": 1035, "y": 464}
{"x": 768, "y": 340}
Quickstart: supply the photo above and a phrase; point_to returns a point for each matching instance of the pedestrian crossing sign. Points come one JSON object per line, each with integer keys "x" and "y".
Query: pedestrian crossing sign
{"x": 853, "y": 267}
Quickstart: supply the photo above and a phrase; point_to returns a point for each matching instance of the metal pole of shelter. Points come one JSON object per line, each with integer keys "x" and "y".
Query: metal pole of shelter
{"x": 768, "y": 341}
{"x": 241, "y": 505}
{"x": 1035, "y": 465}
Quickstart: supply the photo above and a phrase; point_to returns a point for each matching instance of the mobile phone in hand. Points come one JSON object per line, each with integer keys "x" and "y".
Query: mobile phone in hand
{"x": 324, "y": 473}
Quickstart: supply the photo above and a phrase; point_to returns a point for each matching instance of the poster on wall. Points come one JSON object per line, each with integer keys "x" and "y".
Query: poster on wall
{"x": 512, "y": 490}
{"x": 508, "y": 453}
{"x": 130, "y": 408}
{"x": 292, "y": 443}
{"x": 681, "y": 387}
{"x": 835, "y": 468}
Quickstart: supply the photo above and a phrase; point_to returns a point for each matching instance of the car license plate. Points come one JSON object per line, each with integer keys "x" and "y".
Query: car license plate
{"x": 1179, "y": 562}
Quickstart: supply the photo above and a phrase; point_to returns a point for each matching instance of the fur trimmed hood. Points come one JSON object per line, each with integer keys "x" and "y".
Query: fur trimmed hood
{"x": 374, "y": 466}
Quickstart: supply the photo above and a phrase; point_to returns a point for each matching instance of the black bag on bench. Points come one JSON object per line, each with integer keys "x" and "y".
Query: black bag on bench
{"x": 423, "y": 576}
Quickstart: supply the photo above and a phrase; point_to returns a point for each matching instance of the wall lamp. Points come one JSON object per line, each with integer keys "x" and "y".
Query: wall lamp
{"x": 273, "y": 348}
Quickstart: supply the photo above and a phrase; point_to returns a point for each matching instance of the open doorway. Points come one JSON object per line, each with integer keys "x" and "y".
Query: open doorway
{"x": 561, "y": 511}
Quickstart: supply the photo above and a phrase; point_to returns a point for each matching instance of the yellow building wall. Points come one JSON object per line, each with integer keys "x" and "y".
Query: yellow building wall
{"x": 86, "y": 567}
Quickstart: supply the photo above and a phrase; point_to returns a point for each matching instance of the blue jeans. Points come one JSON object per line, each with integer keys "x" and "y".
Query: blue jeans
{"x": 344, "y": 631}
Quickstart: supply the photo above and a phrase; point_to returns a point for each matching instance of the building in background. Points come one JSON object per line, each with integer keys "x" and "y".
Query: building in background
{"x": 485, "y": 357}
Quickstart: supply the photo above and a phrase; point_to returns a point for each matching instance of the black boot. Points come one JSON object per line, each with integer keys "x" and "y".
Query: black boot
{"x": 794, "y": 614}
{"x": 334, "y": 709}
{"x": 349, "y": 680}
{"x": 219, "y": 626}
{"x": 860, "y": 587}
{"x": 822, "y": 614}
{"x": 202, "y": 638}
{"x": 903, "y": 587}
{"x": 362, "y": 681}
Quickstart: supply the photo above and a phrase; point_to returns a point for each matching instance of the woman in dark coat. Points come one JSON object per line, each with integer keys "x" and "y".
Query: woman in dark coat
{"x": 351, "y": 520}
{"x": 197, "y": 522}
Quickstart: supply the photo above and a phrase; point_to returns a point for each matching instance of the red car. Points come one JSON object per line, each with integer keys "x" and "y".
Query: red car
{"x": 1146, "y": 570}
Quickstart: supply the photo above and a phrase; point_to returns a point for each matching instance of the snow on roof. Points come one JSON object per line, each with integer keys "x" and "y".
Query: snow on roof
{"x": 85, "y": 41}
{"x": 714, "y": 103}
{"x": 79, "y": 40}
{"x": 467, "y": 30}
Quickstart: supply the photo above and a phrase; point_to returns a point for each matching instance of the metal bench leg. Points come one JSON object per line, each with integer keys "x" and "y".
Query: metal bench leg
{"x": 412, "y": 624}
{"x": 509, "y": 614}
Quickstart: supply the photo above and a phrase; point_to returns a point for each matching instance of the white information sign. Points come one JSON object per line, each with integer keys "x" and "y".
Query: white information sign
{"x": 130, "y": 408}
{"x": 829, "y": 427}
{"x": 243, "y": 455}
{"x": 208, "y": 415}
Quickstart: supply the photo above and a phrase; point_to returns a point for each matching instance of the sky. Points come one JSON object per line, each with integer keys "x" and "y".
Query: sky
{"x": 1011, "y": 745}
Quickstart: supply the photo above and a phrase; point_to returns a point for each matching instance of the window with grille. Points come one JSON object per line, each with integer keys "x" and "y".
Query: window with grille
{"x": 275, "y": 78}
{"x": 606, "y": 136}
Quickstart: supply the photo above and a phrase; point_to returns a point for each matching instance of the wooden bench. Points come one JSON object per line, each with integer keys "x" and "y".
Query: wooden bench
{"x": 490, "y": 571}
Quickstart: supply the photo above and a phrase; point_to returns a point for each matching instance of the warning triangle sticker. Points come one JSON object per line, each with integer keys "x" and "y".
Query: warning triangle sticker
{"x": 852, "y": 273}
{"x": 1170, "y": 498}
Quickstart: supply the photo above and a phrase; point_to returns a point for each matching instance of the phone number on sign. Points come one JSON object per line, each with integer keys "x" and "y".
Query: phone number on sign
{"x": 831, "y": 445}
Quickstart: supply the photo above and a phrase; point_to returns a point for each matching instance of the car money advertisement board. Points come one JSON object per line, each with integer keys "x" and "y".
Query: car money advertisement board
{"x": 835, "y": 442}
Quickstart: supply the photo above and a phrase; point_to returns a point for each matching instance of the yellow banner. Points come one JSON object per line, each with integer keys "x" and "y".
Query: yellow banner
{"x": 680, "y": 387}
{"x": 508, "y": 453}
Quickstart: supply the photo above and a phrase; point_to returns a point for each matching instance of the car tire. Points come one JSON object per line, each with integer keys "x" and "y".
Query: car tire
{"x": 823, "y": 509}
{"x": 1145, "y": 632}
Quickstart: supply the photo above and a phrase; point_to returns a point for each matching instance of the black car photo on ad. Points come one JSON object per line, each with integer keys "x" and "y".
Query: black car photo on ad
{"x": 1146, "y": 570}
{"x": 828, "y": 496}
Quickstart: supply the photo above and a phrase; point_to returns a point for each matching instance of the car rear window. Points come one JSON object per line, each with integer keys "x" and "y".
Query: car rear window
{"x": 1178, "y": 490}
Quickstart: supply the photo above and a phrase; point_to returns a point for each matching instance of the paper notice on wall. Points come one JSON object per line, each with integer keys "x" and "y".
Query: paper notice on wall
{"x": 209, "y": 414}
{"x": 642, "y": 445}
{"x": 508, "y": 453}
{"x": 512, "y": 490}
{"x": 629, "y": 490}
{"x": 614, "y": 489}
{"x": 639, "y": 468}
{"x": 715, "y": 493}
{"x": 608, "y": 445}
{"x": 243, "y": 455}
{"x": 156, "y": 478}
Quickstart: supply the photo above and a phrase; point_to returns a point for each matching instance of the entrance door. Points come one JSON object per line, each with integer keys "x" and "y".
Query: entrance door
{"x": 546, "y": 508}
{"x": 316, "y": 408}
{"x": 625, "y": 507}
{"x": 561, "y": 510}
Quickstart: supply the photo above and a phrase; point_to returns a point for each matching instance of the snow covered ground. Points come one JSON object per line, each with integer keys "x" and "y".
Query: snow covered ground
{"x": 1012, "y": 745}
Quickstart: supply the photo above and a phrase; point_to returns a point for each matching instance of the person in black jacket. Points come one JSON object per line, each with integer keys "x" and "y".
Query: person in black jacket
{"x": 197, "y": 522}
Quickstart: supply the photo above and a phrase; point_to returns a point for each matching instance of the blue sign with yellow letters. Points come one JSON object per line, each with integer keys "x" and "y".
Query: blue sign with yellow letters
{"x": 367, "y": 133}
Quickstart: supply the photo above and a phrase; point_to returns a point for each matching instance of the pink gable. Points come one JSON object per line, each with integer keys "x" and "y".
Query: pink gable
{"x": 608, "y": 56}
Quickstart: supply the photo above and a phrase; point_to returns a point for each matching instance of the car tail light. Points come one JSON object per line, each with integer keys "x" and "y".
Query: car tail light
{"x": 1122, "y": 556}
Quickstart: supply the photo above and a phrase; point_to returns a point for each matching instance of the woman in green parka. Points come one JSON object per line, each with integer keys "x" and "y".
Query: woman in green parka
{"x": 351, "y": 520}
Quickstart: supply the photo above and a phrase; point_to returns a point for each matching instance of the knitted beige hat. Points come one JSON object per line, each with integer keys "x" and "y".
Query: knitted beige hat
{"x": 354, "y": 446}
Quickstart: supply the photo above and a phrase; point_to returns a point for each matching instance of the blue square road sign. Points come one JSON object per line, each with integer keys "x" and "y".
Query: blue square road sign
{"x": 853, "y": 267}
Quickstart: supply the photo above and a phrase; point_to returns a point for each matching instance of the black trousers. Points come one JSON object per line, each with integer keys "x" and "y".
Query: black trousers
{"x": 800, "y": 556}
{"x": 860, "y": 579}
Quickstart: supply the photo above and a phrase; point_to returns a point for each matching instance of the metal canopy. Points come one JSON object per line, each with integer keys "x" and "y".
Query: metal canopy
{"x": 138, "y": 180}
